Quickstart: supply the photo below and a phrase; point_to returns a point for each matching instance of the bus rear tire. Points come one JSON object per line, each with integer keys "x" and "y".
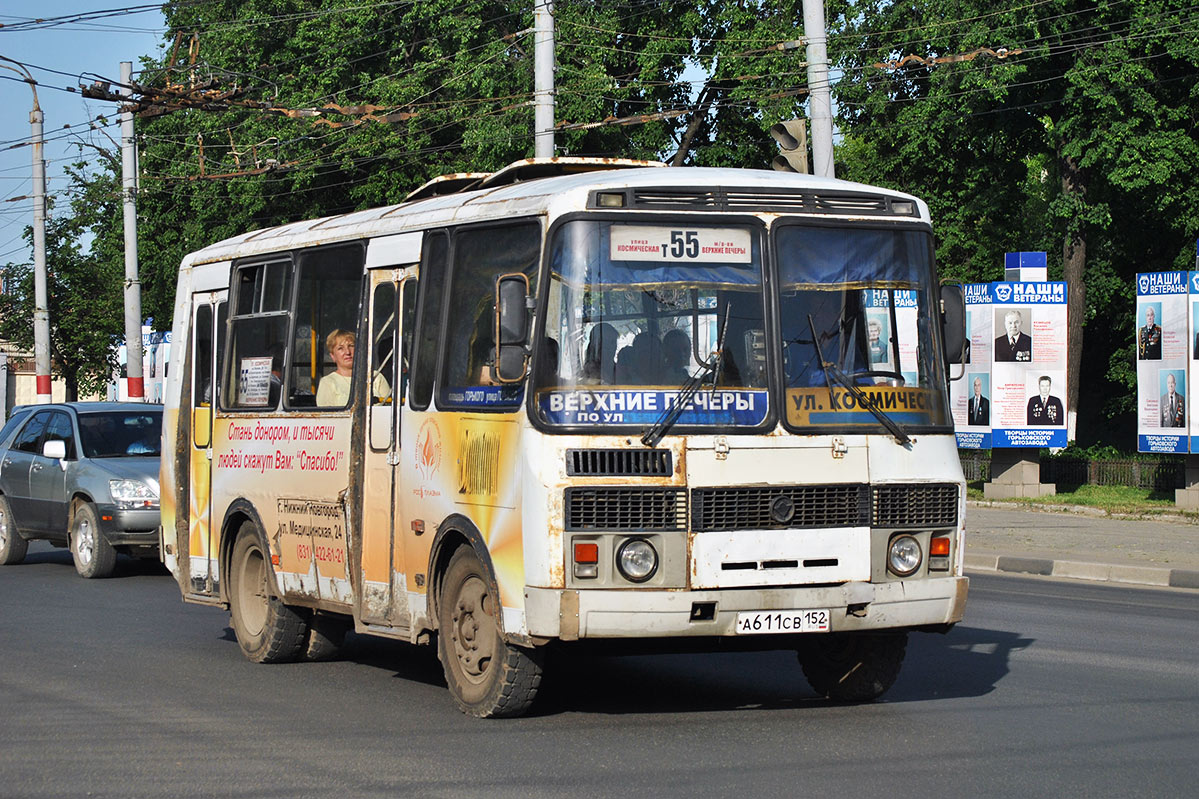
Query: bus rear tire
{"x": 487, "y": 677}
{"x": 325, "y": 637}
{"x": 12, "y": 546}
{"x": 267, "y": 630}
{"x": 853, "y": 667}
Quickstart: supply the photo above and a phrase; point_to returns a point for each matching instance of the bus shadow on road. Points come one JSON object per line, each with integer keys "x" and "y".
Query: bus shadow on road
{"x": 967, "y": 662}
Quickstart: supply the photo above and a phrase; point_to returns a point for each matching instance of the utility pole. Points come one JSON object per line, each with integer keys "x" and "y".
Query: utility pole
{"x": 543, "y": 80}
{"x": 821, "y": 109}
{"x": 133, "y": 286}
{"x": 41, "y": 304}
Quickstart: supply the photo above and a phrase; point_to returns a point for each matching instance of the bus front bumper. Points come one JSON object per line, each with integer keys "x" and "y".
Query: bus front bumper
{"x": 571, "y": 615}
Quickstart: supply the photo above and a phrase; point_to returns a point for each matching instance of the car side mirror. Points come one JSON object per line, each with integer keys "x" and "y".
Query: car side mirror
{"x": 953, "y": 323}
{"x": 55, "y": 450}
{"x": 511, "y": 327}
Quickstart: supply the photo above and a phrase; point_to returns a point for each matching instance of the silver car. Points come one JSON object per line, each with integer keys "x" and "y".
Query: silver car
{"x": 83, "y": 475}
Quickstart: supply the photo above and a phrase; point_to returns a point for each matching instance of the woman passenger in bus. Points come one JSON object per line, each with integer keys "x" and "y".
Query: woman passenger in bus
{"x": 334, "y": 388}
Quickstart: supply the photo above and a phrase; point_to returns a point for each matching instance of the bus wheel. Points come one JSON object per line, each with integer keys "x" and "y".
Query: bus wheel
{"x": 853, "y": 667}
{"x": 267, "y": 630}
{"x": 93, "y": 555}
{"x": 325, "y": 636}
{"x": 487, "y": 677}
{"x": 12, "y": 546}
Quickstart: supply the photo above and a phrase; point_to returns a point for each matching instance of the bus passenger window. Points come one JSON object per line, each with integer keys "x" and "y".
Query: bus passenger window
{"x": 480, "y": 256}
{"x": 322, "y": 369}
{"x": 262, "y": 299}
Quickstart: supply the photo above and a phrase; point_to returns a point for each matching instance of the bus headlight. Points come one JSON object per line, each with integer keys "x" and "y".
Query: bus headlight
{"x": 904, "y": 555}
{"x": 637, "y": 560}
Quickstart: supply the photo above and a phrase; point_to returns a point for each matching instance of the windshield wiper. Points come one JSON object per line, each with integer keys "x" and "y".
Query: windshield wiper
{"x": 659, "y": 428}
{"x": 863, "y": 399}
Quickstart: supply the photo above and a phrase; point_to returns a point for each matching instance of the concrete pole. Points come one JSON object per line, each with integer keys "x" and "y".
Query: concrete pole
{"x": 543, "y": 79}
{"x": 41, "y": 304}
{"x": 41, "y": 301}
{"x": 819, "y": 93}
{"x": 133, "y": 287}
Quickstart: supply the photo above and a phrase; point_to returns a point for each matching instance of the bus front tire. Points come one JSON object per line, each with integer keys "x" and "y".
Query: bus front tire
{"x": 487, "y": 677}
{"x": 267, "y": 630}
{"x": 93, "y": 555}
{"x": 12, "y": 545}
{"x": 853, "y": 667}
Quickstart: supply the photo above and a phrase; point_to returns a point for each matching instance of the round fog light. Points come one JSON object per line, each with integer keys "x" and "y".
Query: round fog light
{"x": 637, "y": 560}
{"x": 904, "y": 555}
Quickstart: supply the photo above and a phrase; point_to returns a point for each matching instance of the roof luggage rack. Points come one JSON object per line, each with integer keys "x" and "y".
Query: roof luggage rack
{"x": 521, "y": 171}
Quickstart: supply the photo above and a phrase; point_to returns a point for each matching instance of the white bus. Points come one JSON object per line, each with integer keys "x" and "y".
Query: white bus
{"x": 574, "y": 401}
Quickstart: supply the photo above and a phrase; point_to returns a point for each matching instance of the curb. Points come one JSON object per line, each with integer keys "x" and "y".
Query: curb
{"x": 1078, "y": 570}
{"x": 1168, "y": 516}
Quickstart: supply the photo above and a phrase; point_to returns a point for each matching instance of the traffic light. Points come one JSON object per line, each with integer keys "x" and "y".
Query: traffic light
{"x": 792, "y": 137}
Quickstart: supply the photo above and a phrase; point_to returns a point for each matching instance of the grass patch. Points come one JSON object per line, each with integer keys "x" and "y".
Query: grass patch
{"x": 1113, "y": 499}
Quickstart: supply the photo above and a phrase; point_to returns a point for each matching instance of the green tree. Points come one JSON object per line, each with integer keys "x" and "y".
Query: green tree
{"x": 408, "y": 91}
{"x": 84, "y": 265}
{"x": 1061, "y": 125}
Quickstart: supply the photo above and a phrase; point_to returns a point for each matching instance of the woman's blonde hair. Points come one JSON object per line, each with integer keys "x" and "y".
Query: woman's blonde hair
{"x": 336, "y": 337}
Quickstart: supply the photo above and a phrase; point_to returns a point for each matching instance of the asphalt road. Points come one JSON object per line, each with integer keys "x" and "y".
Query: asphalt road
{"x": 116, "y": 688}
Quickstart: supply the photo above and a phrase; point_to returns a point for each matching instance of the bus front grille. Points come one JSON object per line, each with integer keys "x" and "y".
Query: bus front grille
{"x": 779, "y": 507}
{"x": 619, "y": 462}
{"x": 915, "y": 506}
{"x": 621, "y": 508}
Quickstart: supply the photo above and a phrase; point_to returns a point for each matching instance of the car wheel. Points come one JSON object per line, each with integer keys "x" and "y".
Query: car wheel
{"x": 12, "y": 546}
{"x": 267, "y": 630}
{"x": 486, "y": 676}
{"x": 93, "y": 555}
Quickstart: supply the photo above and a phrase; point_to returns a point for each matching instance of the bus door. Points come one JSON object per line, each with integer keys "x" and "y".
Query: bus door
{"x": 209, "y": 311}
{"x": 392, "y": 299}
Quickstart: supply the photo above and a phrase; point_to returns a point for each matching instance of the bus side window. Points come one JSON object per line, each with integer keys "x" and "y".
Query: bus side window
{"x": 428, "y": 318}
{"x": 262, "y": 297}
{"x": 408, "y": 289}
{"x": 480, "y": 256}
{"x": 328, "y": 299}
{"x": 202, "y": 358}
{"x": 383, "y": 338}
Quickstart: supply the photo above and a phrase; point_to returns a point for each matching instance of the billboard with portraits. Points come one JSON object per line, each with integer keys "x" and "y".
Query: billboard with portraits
{"x": 1162, "y": 349}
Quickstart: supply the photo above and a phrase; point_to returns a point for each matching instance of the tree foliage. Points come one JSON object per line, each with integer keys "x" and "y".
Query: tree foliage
{"x": 84, "y": 281}
{"x": 431, "y": 88}
{"x": 1060, "y": 125}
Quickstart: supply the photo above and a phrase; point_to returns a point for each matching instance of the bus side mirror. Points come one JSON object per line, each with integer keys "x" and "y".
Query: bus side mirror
{"x": 511, "y": 328}
{"x": 953, "y": 323}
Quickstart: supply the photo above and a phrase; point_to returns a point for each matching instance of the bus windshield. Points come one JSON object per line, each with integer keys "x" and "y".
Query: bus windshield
{"x": 856, "y": 308}
{"x": 635, "y": 310}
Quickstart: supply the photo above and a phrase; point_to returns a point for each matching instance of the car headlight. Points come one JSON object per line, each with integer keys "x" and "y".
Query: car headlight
{"x": 637, "y": 560}
{"x": 132, "y": 494}
{"x": 904, "y": 555}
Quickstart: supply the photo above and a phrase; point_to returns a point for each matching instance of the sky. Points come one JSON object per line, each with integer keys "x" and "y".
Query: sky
{"x": 81, "y": 50}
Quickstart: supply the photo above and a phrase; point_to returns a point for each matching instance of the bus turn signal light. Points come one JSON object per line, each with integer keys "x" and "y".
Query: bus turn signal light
{"x": 939, "y": 547}
{"x": 586, "y": 560}
{"x": 587, "y": 552}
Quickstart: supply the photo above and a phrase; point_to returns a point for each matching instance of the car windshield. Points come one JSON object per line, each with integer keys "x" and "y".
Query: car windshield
{"x": 636, "y": 310}
{"x": 121, "y": 434}
{"x": 857, "y": 316}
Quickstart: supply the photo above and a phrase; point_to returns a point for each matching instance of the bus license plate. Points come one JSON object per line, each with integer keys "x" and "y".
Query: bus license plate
{"x": 761, "y": 622}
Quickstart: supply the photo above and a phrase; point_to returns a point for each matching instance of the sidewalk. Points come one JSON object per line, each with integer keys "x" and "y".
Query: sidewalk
{"x": 1081, "y": 545}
